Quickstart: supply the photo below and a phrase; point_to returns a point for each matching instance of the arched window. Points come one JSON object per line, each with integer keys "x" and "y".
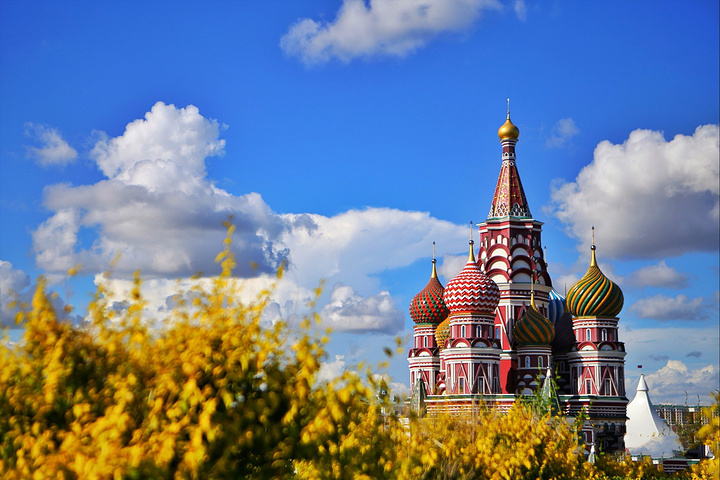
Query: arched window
{"x": 497, "y": 332}
{"x": 425, "y": 342}
{"x": 587, "y": 334}
{"x": 540, "y": 362}
{"x": 478, "y": 331}
{"x": 604, "y": 335}
{"x": 462, "y": 331}
{"x": 462, "y": 385}
{"x": 527, "y": 362}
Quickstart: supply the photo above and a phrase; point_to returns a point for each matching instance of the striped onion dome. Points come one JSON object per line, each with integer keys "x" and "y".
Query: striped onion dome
{"x": 533, "y": 328}
{"x": 442, "y": 333}
{"x": 556, "y": 306}
{"x": 428, "y": 305}
{"x": 594, "y": 295}
{"x": 564, "y": 333}
{"x": 471, "y": 290}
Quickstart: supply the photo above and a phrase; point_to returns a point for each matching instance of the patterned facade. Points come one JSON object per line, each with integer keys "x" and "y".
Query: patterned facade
{"x": 505, "y": 324}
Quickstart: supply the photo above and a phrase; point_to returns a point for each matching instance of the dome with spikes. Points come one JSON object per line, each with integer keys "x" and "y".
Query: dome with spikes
{"x": 428, "y": 305}
{"x": 564, "y": 333}
{"x": 471, "y": 290}
{"x": 442, "y": 333}
{"x": 556, "y": 306}
{"x": 533, "y": 328}
{"x": 594, "y": 295}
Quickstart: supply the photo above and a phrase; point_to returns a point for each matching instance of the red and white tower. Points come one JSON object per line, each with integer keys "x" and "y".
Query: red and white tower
{"x": 511, "y": 254}
{"x": 427, "y": 310}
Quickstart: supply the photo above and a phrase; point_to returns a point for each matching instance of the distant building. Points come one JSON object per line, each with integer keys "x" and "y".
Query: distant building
{"x": 492, "y": 332}
{"x": 679, "y": 415}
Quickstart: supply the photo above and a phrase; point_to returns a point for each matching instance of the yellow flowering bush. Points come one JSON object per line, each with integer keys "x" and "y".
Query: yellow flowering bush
{"x": 214, "y": 394}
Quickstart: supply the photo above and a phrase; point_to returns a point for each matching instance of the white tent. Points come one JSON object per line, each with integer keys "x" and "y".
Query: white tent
{"x": 646, "y": 432}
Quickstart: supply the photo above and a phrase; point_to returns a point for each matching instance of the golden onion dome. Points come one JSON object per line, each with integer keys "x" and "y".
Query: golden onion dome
{"x": 533, "y": 328}
{"x": 508, "y": 130}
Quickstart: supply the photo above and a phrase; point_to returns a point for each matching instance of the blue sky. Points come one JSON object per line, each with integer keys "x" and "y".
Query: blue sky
{"x": 346, "y": 137}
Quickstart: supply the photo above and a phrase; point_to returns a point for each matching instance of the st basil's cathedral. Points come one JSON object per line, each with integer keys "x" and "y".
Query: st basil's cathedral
{"x": 494, "y": 332}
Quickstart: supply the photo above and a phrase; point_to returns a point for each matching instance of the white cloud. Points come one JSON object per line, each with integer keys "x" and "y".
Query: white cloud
{"x": 347, "y": 311}
{"x": 14, "y": 285}
{"x": 54, "y": 150}
{"x": 331, "y": 370}
{"x": 380, "y": 28}
{"x": 661, "y": 307}
{"x": 520, "y": 9}
{"x": 669, "y": 384}
{"x": 631, "y": 191}
{"x": 158, "y": 210}
{"x": 562, "y": 132}
{"x": 450, "y": 265}
{"x": 658, "y": 275}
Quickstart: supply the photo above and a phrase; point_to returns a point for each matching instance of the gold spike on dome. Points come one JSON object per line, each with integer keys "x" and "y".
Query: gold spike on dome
{"x": 594, "y": 295}
{"x": 434, "y": 270}
{"x": 471, "y": 256}
{"x": 508, "y": 130}
{"x": 428, "y": 306}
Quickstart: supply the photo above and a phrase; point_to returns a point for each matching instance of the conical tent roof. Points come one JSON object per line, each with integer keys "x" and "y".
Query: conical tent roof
{"x": 647, "y": 433}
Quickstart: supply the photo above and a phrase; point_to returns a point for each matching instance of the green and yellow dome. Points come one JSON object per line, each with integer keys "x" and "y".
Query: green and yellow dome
{"x": 594, "y": 295}
{"x": 442, "y": 333}
{"x": 533, "y": 329}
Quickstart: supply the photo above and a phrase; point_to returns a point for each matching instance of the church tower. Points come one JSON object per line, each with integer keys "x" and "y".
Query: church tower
{"x": 597, "y": 360}
{"x": 511, "y": 254}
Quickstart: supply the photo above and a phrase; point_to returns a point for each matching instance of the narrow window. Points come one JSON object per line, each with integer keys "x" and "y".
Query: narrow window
{"x": 497, "y": 332}
{"x": 587, "y": 334}
{"x": 527, "y": 362}
{"x": 462, "y": 385}
{"x": 478, "y": 331}
{"x": 588, "y": 387}
{"x": 462, "y": 331}
{"x": 540, "y": 362}
{"x": 604, "y": 335}
{"x": 608, "y": 390}
{"x": 425, "y": 342}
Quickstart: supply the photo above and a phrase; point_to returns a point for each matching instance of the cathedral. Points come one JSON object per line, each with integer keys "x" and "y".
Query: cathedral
{"x": 498, "y": 328}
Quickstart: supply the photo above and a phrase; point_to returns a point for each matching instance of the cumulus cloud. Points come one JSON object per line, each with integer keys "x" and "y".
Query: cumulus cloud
{"x": 347, "y": 311}
{"x": 14, "y": 285}
{"x": 331, "y": 370}
{"x": 520, "y": 9}
{"x": 156, "y": 211}
{"x": 53, "y": 150}
{"x": 661, "y": 307}
{"x": 562, "y": 132}
{"x": 658, "y": 275}
{"x": 670, "y": 383}
{"x": 450, "y": 265}
{"x": 380, "y": 28}
{"x": 630, "y": 191}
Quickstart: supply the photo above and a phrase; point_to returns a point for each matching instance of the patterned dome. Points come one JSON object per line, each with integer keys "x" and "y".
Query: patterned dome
{"x": 564, "y": 333}
{"x": 442, "y": 333}
{"x": 533, "y": 328}
{"x": 594, "y": 295}
{"x": 556, "y": 306}
{"x": 471, "y": 290}
{"x": 428, "y": 305}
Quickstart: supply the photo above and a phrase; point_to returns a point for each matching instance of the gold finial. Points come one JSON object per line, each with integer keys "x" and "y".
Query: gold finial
{"x": 532, "y": 295}
{"x": 593, "y": 261}
{"x": 508, "y": 130}
{"x": 471, "y": 257}
{"x": 434, "y": 270}
{"x": 508, "y": 113}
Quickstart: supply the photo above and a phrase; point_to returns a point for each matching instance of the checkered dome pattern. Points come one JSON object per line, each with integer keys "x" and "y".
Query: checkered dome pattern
{"x": 472, "y": 291}
{"x": 428, "y": 305}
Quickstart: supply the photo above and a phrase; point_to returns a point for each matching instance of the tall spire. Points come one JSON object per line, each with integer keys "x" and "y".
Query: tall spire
{"x": 434, "y": 270}
{"x": 471, "y": 256}
{"x": 593, "y": 260}
{"x": 509, "y": 198}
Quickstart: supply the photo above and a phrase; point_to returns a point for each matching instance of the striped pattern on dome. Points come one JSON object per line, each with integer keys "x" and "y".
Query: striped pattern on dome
{"x": 428, "y": 305}
{"x": 533, "y": 329}
{"x": 564, "y": 333}
{"x": 472, "y": 291}
{"x": 594, "y": 295}
{"x": 556, "y": 306}
{"x": 442, "y": 333}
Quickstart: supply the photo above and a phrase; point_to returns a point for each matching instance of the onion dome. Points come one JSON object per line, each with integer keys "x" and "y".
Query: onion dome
{"x": 594, "y": 295}
{"x": 508, "y": 130}
{"x": 564, "y": 333}
{"x": 471, "y": 290}
{"x": 556, "y": 306}
{"x": 428, "y": 305}
{"x": 442, "y": 333}
{"x": 533, "y": 328}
